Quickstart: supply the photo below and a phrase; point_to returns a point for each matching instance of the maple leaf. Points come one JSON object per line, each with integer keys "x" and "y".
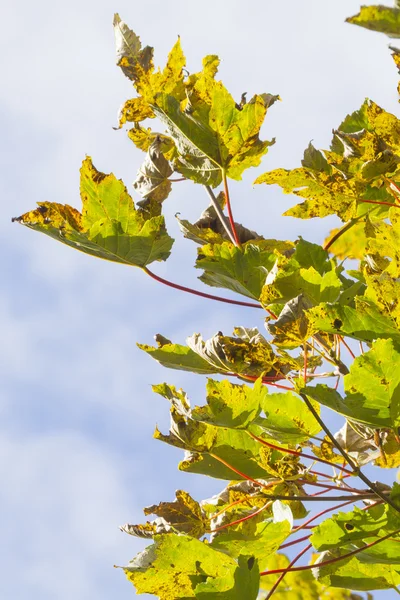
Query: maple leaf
{"x": 372, "y": 388}
{"x": 364, "y": 152}
{"x": 152, "y": 181}
{"x": 378, "y": 18}
{"x": 109, "y": 227}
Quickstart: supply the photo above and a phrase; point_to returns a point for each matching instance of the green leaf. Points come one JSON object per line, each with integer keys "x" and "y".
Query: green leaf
{"x": 245, "y": 585}
{"x": 378, "y": 18}
{"x": 385, "y": 242}
{"x": 252, "y": 539}
{"x": 364, "y": 151}
{"x": 231, "y": 405}
{"x": 344, "y": 529}
{"x": 287, "y": 419}
{"x": 196, "y": 143}
{"x": 308, "y": 272}
{"x": 175, "y": 564}
{"x": 365, "y": 322}
{"x": 292, "y": 328}
{"x": 372, "y": 388}
{"x": 352, "y": 574}
{"x": 242, "y": 270}
{"x": 109, "y": 227}
{"x": 234, "y": 446}
{"x": 217, "y": 137}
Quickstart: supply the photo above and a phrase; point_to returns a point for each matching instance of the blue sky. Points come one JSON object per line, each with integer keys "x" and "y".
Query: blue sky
{"x": 77, "y": 456}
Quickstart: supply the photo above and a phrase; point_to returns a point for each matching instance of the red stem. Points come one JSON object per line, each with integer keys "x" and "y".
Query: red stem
{"x": 298, "y": 453}
{"x": 176, "y": 286}
{"x": 350, "y": 351}
{"x": 228, "y": 206}
{"x": 335, "y": 559}
{"x": 287, "y": 570}
{"x": 246, "y": 518}
{"x": 379, "y": 202}
{"x": 302, "y": 539}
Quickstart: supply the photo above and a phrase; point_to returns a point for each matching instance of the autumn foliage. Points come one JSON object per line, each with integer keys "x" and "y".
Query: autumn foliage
{"x": 332, "y": 339}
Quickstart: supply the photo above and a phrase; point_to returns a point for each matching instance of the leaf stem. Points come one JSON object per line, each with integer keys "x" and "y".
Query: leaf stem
{"x": 287, "y": 570}
{"x": 228, "y": 206}
{"x": 287, "y": 544}
{"x": 246, "y": 518}
{"x": 176, "y": 286}
{"x": 220, "y": 214}
{"x": 356, "y": 469}
{"x": 345, "y": 344}
{"x": 339, "y": 233}
{"x": 391, "y": 204}
{"x": 336, "y": 558}
{"x": 299, "y": 453}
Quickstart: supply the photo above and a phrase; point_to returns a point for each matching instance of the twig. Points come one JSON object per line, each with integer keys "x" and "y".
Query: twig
{"x": 228, "y": 206}
{"x": 336, "y": 558}
{"x": 356, "y": 469}
{"x": 220, "y": 214}
{"x": 287, "y": 570}
{"x": 299, "y": 453}
{"x": 176, "y": 286}
{"x": 341, "y": 231}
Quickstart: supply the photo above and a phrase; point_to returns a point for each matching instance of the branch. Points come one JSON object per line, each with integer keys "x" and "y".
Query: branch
{"x": 356, "y": 469}
{"x": 341, "y": 231}
{"x": 299, "y": 453}
{"x": 336, "y": 558}
{"x": 176, "y": 286}
{"x": 228, "y": 206}
{"x": 220, "y": 214}
{"x": 315, "y": 498}
{"x": 287, "y": 570}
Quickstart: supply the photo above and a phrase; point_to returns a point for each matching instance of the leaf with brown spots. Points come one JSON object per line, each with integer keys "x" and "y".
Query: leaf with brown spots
{"x": 109, "y": 227}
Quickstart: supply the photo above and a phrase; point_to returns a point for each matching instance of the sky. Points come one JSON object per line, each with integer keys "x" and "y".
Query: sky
{"x": 77, "y": 457}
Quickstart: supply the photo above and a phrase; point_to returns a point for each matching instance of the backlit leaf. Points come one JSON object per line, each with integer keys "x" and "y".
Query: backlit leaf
{"x": 372, "y": 388}
{"x": 242, "y": 270}
{"x": 364, "y": 151}
{"x": 231, "y": 405}
{"x": 365, "y": 322}
{"x": 378, "y": 18}
{"x": 175, "y": 564}
{"x": 109, "y": 227}
{"x": 287, "y": 419}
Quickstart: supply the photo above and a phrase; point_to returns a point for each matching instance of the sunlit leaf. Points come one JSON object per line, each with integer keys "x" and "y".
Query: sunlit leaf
{"x": 352, "y": 574}
{"x": 288, "y": 419}
{"x": 378, "y": 18}
{"x": 252, "y": 539}
{"x": 346, "y": 528}
{"x": 372, "y": 388}
{"x": 246, "y": 582}
{"x": 231, "y": 405}
{"x": 364, "y": 151}
{"x": 109, "y": 227}
{"x": 175, "y": 564}
{"x": 365, "y": 322}
{"x": 242, "y": 270}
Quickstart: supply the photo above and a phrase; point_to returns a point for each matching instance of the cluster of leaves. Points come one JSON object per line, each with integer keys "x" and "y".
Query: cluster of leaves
{"x": 261, "y": 437}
